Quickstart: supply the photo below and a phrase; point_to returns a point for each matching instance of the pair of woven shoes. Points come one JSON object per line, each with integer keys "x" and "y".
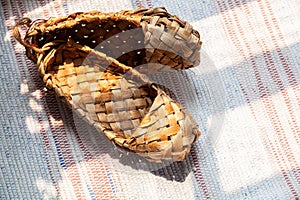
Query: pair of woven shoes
{"x": 91, "y": 60}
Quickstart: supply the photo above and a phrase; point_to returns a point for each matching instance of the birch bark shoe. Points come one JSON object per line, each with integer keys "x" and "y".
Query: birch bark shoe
{"x": 112, "y": 96}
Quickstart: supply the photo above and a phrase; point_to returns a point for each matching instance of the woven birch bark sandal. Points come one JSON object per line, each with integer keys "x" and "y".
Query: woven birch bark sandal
{"x": 113, "y": 97}
{"x": 132, "y": 37}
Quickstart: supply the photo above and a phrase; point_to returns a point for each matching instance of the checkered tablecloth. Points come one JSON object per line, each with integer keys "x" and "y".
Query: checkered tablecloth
{"x": 245, "y": 96}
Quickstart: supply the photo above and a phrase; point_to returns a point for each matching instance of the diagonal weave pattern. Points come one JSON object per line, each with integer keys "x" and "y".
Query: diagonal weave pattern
{"x": 131, "y": 112}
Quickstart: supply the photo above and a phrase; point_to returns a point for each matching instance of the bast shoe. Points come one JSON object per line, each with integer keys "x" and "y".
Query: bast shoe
{"x": 114, "y": 97}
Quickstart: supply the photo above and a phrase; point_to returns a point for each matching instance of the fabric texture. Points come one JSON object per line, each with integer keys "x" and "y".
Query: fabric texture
{"x": 245, "y": 96}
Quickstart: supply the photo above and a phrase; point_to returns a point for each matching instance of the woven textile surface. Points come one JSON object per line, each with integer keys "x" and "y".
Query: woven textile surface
{"x": 245, "y": 96}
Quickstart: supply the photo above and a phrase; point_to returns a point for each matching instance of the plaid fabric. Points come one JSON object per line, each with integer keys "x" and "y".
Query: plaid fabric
{"x": 245, "y": 95}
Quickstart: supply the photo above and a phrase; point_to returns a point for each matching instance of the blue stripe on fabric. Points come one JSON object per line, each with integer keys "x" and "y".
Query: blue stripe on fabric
{"x": 60, "y": 156}
{"x": 91, "y": 192}
{"x": 65, "y": 6}
{"x": 112, "y": 185}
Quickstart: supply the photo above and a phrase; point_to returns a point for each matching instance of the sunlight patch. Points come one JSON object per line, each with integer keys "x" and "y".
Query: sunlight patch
{"x": 32, "y": 124}
{"x": 46, "y": 188}
{"x": 241, "y": 155}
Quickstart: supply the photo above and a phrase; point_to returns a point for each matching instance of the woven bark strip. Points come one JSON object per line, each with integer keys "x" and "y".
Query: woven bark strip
{"x": 158, "y": 37}
{"x": 112, "y": 96}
